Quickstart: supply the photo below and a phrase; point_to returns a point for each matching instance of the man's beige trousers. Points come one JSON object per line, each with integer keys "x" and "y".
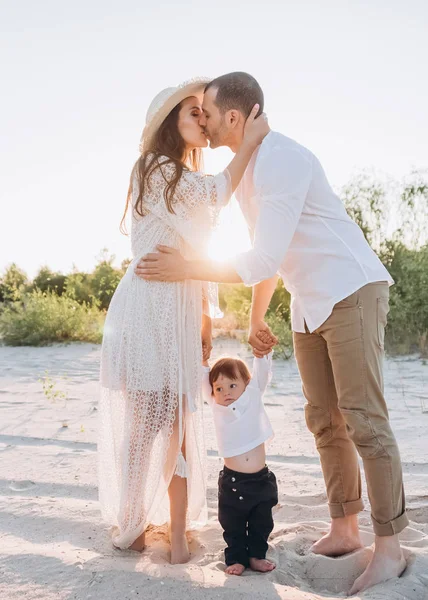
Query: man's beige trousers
{"x": 341, "y": 369}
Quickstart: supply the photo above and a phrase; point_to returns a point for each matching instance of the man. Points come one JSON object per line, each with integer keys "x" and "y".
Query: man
{"x": 339, "y": 304}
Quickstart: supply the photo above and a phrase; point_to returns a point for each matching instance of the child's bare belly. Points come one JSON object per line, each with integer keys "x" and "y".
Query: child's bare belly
{"x": 249, "y": 462}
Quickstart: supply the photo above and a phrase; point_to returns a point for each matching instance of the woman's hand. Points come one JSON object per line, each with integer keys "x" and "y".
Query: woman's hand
{"x": 256, "y": 128}
{"x": 207, "y": 338}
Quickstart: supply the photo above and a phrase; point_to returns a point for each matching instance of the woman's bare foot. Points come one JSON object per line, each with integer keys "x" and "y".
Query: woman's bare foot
{"x": 236, "y": 569}
{"x": 343, "y": 537}
{"x": 261, "y": 564}
{"x": 387, "y": 562}
{"x": 139, "y": 544}
{"x": 179, "y": 547}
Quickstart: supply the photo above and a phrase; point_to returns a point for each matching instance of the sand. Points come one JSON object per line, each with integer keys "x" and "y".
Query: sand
{"x": 54, "y": 545}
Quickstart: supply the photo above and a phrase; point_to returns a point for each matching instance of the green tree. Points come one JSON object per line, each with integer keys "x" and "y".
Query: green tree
{"x": 78, "y": 286}
{"x": 105, "y": 279}
{"x": 49, "y": 281}
{"x": 13, "y": 283}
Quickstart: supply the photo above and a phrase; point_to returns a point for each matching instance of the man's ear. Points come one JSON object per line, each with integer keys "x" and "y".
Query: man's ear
{"x": 233, "y": 118}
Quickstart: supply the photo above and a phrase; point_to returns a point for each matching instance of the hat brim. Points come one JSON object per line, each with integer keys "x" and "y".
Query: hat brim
{"x": 195, "y": 87}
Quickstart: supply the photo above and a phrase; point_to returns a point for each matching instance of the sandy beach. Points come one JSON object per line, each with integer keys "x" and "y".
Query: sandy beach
{"x": 55, "y": 546}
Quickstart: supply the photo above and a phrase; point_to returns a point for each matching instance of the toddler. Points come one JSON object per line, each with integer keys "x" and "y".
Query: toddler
{"x": 247, "y": 489}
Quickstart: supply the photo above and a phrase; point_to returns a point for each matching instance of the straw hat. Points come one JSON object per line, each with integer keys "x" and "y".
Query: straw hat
{"x": 163, "y": 103}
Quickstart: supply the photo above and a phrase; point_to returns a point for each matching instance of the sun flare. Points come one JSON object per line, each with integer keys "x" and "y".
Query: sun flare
{"x": 231, "y": 236}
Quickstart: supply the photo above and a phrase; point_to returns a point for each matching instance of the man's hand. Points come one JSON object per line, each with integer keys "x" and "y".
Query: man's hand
{"x": 261, "y": 339}
{"x": 165, "y": 265}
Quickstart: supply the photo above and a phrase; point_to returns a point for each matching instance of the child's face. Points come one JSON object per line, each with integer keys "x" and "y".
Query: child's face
{"x": 226, "y": 391}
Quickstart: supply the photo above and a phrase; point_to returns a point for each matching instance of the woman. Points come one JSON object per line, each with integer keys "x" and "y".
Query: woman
{"x": 151, "y": 435}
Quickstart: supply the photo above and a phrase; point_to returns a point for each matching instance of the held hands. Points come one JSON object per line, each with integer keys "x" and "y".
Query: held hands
{"x": 165, "y": 265}
{"x": 261, "y": 339}
{"x": 255, "y": 129}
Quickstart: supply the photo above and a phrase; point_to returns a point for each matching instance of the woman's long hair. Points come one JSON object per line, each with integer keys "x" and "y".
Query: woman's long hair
{"x": 168, "y": 144}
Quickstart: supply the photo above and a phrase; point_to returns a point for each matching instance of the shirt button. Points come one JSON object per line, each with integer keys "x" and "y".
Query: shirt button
{"x": 233, "y": 408}
{"x": 241, "y": 498}
{"x": 233, "y": 479}
{"x": 233, "y": 490}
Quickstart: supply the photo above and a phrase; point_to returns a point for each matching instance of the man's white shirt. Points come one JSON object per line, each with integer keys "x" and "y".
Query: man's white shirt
{"x": 300, "y": 229}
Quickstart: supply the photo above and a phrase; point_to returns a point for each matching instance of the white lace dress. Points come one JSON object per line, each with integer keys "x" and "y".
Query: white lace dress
{"x": 151, "y": 366}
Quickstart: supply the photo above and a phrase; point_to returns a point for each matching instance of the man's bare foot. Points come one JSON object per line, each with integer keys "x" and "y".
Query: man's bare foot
{"x": 179, "y": 547}
{"x": 261, "y": 564}
{"x": 236, "y": 569}
{"x": 387, "y": 562}
{"x": 139, "y": 544}
{"x": 330, "y": 545}
{"x": 343, "y": 537}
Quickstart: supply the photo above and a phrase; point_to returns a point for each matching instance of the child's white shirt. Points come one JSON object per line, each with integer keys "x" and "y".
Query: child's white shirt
{"x": 244, "y": 424}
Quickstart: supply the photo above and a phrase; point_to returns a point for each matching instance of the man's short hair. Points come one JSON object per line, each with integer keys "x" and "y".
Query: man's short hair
{"x": 237, "y": 91}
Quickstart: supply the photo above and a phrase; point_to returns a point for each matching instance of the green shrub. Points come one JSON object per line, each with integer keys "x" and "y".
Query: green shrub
{"x": 49, "y": 281}
{"x": 236, "y": 299}
{"x": 78, "y": 286}
{"x": 281, "y": 328}
{"x": 13, "y": 284}
{"x": 407, "y": 329}
{"x": 41, "y": 318}
{"x": 104, "y": 280}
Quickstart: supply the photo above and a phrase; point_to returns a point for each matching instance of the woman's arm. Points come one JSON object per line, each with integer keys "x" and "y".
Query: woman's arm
{"x": 255, "y": 130}
{"x": 206, "y": 332}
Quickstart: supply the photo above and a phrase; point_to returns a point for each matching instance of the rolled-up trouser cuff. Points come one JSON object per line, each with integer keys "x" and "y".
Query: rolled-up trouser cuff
{"x": 345, "y": 509}
{"x": 392, "y": 527}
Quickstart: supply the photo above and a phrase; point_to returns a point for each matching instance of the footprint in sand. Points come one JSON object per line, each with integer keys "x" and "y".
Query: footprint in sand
{"x": 20, "y": 486}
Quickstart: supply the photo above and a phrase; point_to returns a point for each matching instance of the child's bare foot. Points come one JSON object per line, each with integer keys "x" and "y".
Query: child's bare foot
{"x": 261, "y": 564}
{"x": 179, "y": 547}
{"x": 235, "y": 569}
{"x": 139, "y": 544}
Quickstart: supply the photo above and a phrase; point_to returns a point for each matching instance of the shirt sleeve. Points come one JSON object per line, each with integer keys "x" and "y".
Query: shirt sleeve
{"x": 262, "y": 371}
{"x": 206, "y": 386}
{"x": 284, "y": 177}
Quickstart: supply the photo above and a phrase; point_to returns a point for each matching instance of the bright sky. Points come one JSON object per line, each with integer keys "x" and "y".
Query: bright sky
{"x": 346, "y": 79}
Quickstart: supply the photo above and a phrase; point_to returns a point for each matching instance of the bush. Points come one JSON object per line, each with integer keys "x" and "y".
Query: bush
{"x": 236, "y": 299}
{"x": 41, "y": 318}
{"x": 78, "y": 286}
{"x": 13, "y": 284}
{"x": 49, "y": 281}
{"x": 407, "y": 329}
{"x": 282, "y": 329}
{"x": 104, "y": 280}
